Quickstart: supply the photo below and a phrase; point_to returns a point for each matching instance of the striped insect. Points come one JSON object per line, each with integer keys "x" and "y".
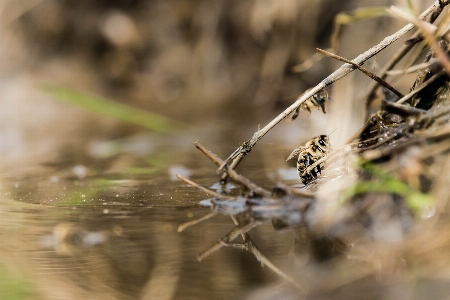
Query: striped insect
{"x": 316, "y": 100}
{"x": 311, "y": 158}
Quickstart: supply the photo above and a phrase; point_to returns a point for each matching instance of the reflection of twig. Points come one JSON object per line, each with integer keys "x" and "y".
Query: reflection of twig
{"x": 238, "y": 230}
{"x": 364, "y": 70}
{"x": 194, "y": 222}
{"x": 250, "y": 246}
{"x": 207, "y": 191}
{"x": 246, "y": 147}
{"x": 242, "y": 226}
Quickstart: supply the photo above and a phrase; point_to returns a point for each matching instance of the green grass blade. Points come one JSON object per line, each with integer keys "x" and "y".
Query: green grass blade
{"x": 385, "y": 182}
{"x": 111, "y": 109}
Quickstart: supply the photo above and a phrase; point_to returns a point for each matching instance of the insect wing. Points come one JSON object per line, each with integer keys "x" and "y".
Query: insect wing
{"x": 296, "y": 152}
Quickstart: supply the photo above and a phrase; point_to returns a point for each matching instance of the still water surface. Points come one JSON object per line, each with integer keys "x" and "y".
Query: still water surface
{"x": 109, "y": 231}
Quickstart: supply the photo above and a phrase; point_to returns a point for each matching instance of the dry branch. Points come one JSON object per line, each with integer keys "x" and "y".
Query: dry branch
{"x": 233, "y": 174}
{"x": 364, "y": 70}
{"x": 409, "y": 44}
{"x": 345, "y": 69}
{"x": 420, "y": 87}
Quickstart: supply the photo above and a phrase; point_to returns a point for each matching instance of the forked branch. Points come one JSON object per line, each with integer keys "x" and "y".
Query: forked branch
{"x": 364, "y": 70}
{"x": 345, "y": 69}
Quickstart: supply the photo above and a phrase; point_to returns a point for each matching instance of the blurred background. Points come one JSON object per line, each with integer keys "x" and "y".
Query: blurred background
{"x": 214, "y": 71}
{"x": 224, "y": 62}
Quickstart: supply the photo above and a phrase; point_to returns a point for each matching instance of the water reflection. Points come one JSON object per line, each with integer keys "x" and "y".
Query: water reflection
{"x": 111, "y": 236}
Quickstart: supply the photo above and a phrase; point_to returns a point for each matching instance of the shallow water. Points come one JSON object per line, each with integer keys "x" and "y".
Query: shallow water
{"x": 109, "y": 230}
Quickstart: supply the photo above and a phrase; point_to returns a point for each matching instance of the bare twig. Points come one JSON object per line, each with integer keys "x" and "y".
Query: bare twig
{"x": 412, "y": 69}
{"x": 428, "y": 31}
{"x": 409, "y": 110}
{"x": 435, "y": 113}
{"x": 214, "y": 158}
{"x": 207, "y": 191}
{"x": 392, "y": 63}
{"x": 298, "y": 192}
{"x": 246, "y": 147}
{"x": 437, "y": 10}
{"x": 203, "y": 189}
{"x": 419, "y": 137}
{"x": 233, "y": 166}
{"x": 233, "y": 174}
{"x": 364, "y": 70}
{"x": 420, "y": 87}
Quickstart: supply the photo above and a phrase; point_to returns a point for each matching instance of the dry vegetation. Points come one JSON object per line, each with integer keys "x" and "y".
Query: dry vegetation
{"x": 379, "y": 210}
{"x": 375, "y": 223}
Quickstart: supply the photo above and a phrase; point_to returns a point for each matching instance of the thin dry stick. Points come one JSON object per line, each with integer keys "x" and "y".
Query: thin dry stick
{"x": 420, "y": 87}
{"x": 207, "y": 191}
{"x": 412, "y": 69}
{"x": 400, "y": 101}
{"x": 239, "y": 230}
{"x": 233, "y": 174}
{"x": 392, "y": 63}
{"x": 214, "y": 158}
{"x": 364, "y": 70}
{"x": 233, "y": 166}
{"x": 409, "y": 110}
{"x": 428, "y": 32}
{"x": 207, "y": 216}
{"x": 246, "y": 147}
{"x": 435, "y": 113}
{"x": 419, "y": 137}
{"x": 437, "y": 10}
{"x": 203, "y": 189}
{"x": 295, "y": 191}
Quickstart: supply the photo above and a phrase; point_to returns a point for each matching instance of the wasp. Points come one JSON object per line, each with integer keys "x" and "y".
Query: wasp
{"x": 316, "y": 100}
{"x": 311, "y": 158}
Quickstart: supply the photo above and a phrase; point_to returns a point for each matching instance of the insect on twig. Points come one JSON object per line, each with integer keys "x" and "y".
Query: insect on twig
{"x": 345, "y": 69}
{"x": 311, "y": 158}
{"x": 316, "y": 100}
